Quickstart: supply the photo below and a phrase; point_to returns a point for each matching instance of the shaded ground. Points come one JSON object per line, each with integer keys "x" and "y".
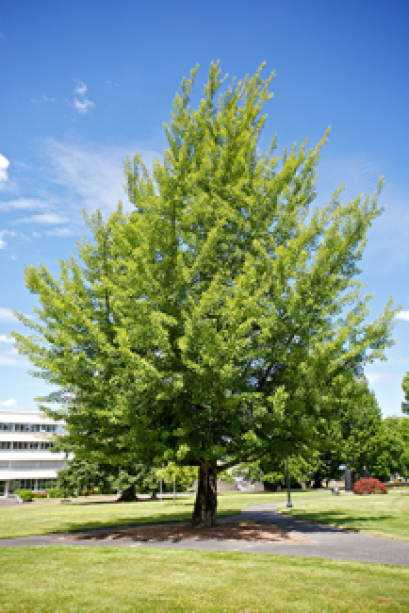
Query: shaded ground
{"x": 224, "y": 531}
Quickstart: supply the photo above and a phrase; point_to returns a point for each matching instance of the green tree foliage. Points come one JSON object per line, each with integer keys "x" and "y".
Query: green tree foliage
{"x": 221, "y": 317}
{"x": 351, "y": 437}
{"x": 391, "y": 455}
{"x": 405, "y": 387}
{"x": 183, "y": 475}
{"x": 82, "y": 475}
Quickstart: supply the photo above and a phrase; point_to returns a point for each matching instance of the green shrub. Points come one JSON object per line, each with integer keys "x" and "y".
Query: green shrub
{"x": 55, "y": 493}
{"x": 25, "y": 495}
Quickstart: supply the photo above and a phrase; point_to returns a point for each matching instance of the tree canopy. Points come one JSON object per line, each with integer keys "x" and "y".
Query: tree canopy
{"x": 221, "y": 317}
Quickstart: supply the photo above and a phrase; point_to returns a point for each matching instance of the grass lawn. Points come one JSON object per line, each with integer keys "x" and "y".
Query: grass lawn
{"x": 30, "y": 519}
{"x": 386, "y": 515}
{"x": 104, "y": 579}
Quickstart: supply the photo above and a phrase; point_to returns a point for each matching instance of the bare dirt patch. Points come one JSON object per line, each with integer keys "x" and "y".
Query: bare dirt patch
{"x": 224, "y": 531}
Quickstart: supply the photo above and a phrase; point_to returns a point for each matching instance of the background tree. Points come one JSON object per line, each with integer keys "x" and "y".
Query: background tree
{"x": 221, "y": 317}
{"x": 82, "y": 475}
{"x": 391, "y": 452}
{"x": 182, "y": 477}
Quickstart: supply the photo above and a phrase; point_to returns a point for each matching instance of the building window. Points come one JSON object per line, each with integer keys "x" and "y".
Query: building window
{"x": 6, "y": 427}
{"x": 36, "y": 465}
{"x": 4, "y": 445}
{"x": 45, "y": 484}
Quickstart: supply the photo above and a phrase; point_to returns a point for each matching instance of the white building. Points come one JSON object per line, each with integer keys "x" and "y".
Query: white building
{"x": 26, "y": 460}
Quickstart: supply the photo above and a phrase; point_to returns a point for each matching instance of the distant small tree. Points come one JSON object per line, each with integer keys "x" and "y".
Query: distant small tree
{"x": 184, "y": 476}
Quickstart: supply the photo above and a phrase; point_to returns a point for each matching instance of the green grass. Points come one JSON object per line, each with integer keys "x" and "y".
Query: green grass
{"x": 386, "y": 515}
{"x": 146, "y": 579}
{"x": 30, "y": 519}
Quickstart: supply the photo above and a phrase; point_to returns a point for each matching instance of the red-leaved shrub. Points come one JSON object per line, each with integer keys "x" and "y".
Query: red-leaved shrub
{"x": 372, "y": 486}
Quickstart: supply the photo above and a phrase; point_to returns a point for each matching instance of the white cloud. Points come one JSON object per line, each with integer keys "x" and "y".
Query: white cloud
{"x": 45, "y": 218}
{"x": 92, "y": 175}
{"x": 376, "y": 376}
{"x": 11, "y": 403}
{"x": 6, "y": 339}
{"x": 81, "y": 88}
{"x": 62, "y": 232}
{"x": 81, "y": 103}
{"x": 24, "y": 204}
{"x": 404, "y": 315}
{"x": 10, "y": 356}
{"x": 83, "y": 106}
{"x": 47, "y": 99}
{"x": 4, "y": 164}
{"x": 6, "y": 315}
{"x": 3, "y": 233}
{"x": 36, "y": 235}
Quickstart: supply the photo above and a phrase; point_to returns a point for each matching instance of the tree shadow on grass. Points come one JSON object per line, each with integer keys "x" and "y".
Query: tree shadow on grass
{"x": 129, "y": 521}
{"x": 337, "y": 520}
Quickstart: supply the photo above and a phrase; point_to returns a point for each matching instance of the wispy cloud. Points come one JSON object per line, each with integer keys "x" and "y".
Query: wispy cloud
{"x": 81, "y": 103}
{"x": 28, "y": 204}
{"x": 11, "y": 357}
{"x": 11, "y": 403}
{"x": 92, "y": 175}
{"x": 6, "y": 339}
{"x": 7, "y": 315}
{"x": 47, "y": 99}
{"x": 404, "y": 315}
{"x": 376, "y": 376}
{"x": 3, "y": 233}
{"x": 387, "y": 247}
{"x": 63, "y": 232}
{"x": 69, "y": 177}
{"x": 4, "y": 164}
{"x": 45, "y": 218}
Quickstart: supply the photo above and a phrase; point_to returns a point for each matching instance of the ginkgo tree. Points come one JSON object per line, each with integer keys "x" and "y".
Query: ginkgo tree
{"x": 222, "y": 316}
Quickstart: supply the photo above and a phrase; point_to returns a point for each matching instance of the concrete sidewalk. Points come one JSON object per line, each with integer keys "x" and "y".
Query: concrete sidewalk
{"x": 327, "y": 542}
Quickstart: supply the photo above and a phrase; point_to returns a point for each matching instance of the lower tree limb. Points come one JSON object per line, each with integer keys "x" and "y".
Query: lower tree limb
{"x": 205, "y": 511}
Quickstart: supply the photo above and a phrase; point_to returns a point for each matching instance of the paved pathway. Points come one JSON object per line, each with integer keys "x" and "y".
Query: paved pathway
{"x": 328, "y": 542}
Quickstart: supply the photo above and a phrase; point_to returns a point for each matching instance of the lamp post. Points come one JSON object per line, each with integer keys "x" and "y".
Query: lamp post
{"x": 289, "y": 505}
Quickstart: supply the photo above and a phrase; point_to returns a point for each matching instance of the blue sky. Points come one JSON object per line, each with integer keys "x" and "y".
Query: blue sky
{"x": 84, "y": 84}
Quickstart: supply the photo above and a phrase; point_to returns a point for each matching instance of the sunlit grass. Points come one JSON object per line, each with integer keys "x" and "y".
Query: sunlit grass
{"x": 147, "y": 579}
{"x": 379, "y": 515}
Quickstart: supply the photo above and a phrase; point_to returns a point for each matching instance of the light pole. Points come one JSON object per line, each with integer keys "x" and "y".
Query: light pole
{"x": 289, "y": 505}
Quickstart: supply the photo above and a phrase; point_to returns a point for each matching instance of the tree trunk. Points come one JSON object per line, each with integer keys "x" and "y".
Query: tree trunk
{"x": 205, "y": 511}
{"x": 317, "y": 480}
{"x": 128, "y": 495}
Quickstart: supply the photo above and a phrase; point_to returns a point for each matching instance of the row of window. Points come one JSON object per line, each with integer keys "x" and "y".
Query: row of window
{"x": 21, "y": 445}
{"x": 30, "y": 428}
{"x": 31, "y": 484}
{"x": 32, "y": 465}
